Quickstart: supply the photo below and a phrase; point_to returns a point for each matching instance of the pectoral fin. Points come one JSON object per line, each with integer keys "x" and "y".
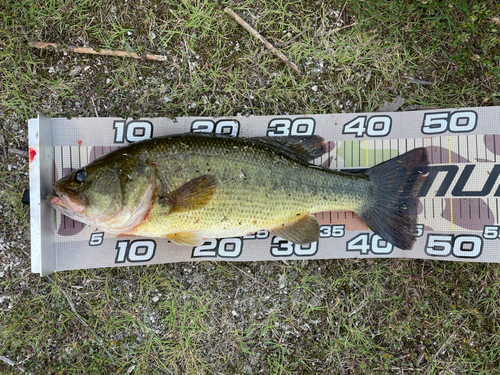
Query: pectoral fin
{"x": 191, "y": 238}
{"x": 301, "y": 232}
{"x": 191, "y": 196}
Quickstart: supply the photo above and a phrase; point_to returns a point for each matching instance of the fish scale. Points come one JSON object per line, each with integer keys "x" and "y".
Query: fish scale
{"x": 258, "y": 188}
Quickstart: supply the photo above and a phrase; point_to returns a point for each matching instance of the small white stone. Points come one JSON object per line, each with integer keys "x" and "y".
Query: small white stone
{"x": 314, "y": 88}
{"x": 156, "y": 298}
{"x": 234, "y": 313}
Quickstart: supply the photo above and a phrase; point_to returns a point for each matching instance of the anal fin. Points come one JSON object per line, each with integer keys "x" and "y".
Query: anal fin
{"x": 191, "y": 238}
{"x": 300, "y": 232}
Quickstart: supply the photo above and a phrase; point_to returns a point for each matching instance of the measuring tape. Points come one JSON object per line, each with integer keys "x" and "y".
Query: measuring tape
{"x": 458, "y": 214}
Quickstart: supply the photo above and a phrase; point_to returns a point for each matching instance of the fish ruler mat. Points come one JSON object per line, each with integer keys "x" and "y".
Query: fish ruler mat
{"x": 458, "y": 215}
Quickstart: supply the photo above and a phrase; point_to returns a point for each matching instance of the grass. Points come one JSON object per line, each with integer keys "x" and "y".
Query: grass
{"x": 337, "y": 316}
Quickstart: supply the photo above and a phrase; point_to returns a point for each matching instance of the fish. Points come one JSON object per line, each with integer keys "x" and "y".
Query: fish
{"x": 195, "y": 186}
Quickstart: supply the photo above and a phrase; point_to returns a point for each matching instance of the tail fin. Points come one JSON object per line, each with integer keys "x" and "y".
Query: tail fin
{"x": 393, "y": 212}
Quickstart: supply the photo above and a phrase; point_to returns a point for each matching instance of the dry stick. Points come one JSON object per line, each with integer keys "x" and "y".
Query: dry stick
{"x": 104, "y": 52}
{"x": 83, "y": 322}
{"x": 284, "y": 44}
{"x": 93, "y": 105}
{"x": 18, "y": 151}
{"x": 12, "y": 363}
{"x": 269, "y": 46}
{"x": 340, "y": 28}
{"x": 442, "y": 347}
{"x": 14, "y": 291}
{"x": 250, "y": 276}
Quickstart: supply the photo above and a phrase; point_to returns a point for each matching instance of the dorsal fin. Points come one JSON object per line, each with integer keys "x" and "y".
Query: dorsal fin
{"x": 305, "y": 148}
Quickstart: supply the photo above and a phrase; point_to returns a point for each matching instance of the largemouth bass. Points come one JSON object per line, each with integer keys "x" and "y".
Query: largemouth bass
{"x": 191, "y": 187}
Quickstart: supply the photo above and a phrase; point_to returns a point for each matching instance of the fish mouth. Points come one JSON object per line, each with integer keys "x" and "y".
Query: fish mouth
{"x": 67, "y": 202}
{"x": 55, "y": 201}
{"x": 58, "y": 203}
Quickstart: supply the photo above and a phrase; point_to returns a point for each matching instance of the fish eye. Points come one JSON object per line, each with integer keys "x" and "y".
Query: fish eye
{"x": 80, "y": 176}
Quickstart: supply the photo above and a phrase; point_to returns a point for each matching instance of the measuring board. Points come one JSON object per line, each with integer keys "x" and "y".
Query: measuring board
{"x": 458, "y": 215}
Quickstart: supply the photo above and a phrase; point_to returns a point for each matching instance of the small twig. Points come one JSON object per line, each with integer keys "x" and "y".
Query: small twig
{"x": 251, "y": 104}
{"x": 441, "y": 348}
{"x": 103, "y": 52}
{"x": 19, "y": 152}
{"x": 340, "y": 28}
{"x": 250, "y": 276}
{"x": 80, "y": 319}
{"x": 190, "y": 66}
{"x": 12, "y": 363}
{"x": 284, "y": 44}
{"x": 340, "y": 317}
{"x": 83, "y": 322}
{"x": 342, "y": 10}
{"x": 268, "y": 45}
{"x": 93, "y": 105}
{"x": 7, "y": 360}
{"x": 420, "y": 357}
{"x": 6, "y": 294}
{"x": 358, "y": 309}
{"x": 401, "y": 369}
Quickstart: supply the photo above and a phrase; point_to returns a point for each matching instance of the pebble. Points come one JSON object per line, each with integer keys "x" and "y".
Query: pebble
{"x": 4, "y": 298}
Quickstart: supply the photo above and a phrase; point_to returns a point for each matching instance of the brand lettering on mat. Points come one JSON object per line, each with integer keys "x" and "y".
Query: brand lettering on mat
{"x": 449, "y": 172}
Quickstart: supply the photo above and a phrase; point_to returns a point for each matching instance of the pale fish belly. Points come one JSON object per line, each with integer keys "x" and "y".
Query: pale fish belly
{"x": 242, "y": 206}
